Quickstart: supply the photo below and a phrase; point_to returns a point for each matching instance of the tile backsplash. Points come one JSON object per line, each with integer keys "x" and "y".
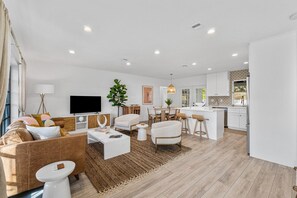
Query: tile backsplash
{"x": 227, "y": 100}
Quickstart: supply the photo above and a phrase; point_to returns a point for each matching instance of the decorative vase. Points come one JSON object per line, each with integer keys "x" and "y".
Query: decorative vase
{"x": 102, "y": 125}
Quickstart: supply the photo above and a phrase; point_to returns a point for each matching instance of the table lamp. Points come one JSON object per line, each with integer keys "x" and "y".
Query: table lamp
{"x": 43, "y": 89}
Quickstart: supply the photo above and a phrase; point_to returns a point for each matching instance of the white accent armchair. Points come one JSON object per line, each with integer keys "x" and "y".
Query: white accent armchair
{"x": 166, "y": 133}
{"x": 126, "y": 122}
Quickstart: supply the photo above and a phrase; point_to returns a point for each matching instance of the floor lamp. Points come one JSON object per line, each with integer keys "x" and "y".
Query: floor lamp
{"x": 43, "y": 89}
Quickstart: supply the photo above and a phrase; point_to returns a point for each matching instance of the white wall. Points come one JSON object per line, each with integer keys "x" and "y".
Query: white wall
{"x": 195, "y": 81}
{"x": 70, "y": 80}
{"x": 273, "y": 63}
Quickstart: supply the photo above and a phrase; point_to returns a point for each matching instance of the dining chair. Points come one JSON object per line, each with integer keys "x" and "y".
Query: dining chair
{"x": 157, "y": 114}
{"x": 151, "y": 116}
{"x": 171, "y": 113}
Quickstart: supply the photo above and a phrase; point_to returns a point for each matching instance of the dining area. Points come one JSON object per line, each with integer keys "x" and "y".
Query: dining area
{"x": 160, "y": 114}
{"x": 201, "y": 120}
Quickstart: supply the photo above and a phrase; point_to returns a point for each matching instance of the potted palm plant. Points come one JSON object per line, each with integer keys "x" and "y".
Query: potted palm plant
{"x": 169, "y": 102}
{"x": 117, "y": 95}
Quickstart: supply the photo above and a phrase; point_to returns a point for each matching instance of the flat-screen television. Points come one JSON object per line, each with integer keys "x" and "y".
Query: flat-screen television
{"x": 85, "y": 104}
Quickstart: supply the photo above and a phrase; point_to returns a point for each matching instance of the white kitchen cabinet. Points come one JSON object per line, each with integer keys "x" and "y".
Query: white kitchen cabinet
{"x": 218, "y": 84}
{"x": 211, "y": 84}
{"x": 237, "y": 118}
{"x": 242, "y": 121}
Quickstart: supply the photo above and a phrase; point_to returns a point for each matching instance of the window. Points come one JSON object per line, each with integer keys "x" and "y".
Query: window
{"x": 7, "y": 111}
{"x": 239, "y": 92}
{"x": 193, "y": 96}
{"x": 186, "y": 97}
{"x": 200, "y": 95}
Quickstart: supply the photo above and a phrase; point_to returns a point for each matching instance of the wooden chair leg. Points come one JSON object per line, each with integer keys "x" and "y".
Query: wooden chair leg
{"x": 200, "y": 130}
{"x": 206, "y": 131}
{"x": 195, "y": 128}
{"x": 188, "y": 128}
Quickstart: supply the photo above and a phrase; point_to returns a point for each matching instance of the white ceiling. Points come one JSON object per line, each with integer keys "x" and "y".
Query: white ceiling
{"x": 133, "y": 29}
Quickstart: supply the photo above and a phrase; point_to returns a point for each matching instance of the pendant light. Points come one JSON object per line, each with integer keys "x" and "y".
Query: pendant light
{"x": 171, "y": 89}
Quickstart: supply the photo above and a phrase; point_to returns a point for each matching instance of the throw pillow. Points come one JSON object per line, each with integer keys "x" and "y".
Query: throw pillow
{"x": 41, "y": 118}
{"x": 49, "y": 123}
{"x": 40, "y": 133}
{"x": 63, "y": 132}
{"x": 16, "y": 135}
{"x": 29, "y": 121}
{"x": 16, "y": 124}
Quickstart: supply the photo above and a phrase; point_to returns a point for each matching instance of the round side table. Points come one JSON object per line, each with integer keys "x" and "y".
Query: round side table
{"x": 141, "y": 132}
{"x": 56, "y": 181}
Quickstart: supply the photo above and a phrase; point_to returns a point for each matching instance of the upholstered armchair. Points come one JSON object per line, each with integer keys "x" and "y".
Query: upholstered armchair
{"x": 166, "y": 133}
{"x": 127, "y": 122}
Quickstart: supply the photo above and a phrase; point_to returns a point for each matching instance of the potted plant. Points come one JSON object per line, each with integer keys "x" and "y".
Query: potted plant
{"x": 169, "y": 102}
{"x": 117, "y": 95}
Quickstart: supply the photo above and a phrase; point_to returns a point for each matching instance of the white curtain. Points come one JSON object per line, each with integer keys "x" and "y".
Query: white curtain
{"x": 22, "y": 88}
{"x": 5, "y": 49}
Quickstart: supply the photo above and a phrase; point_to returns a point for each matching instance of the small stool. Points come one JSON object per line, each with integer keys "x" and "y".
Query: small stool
{"x": 56, "y": 181}
{"x": 185, "y": 122}
{"x": 201, "y": 120}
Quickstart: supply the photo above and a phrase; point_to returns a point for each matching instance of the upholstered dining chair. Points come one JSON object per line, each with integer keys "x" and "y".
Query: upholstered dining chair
{"x": 166, "y": 133}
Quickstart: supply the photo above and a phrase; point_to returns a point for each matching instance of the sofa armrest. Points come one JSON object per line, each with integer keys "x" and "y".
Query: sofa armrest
{"x": 22, "y": 161}
{"x": 134, "y": 121}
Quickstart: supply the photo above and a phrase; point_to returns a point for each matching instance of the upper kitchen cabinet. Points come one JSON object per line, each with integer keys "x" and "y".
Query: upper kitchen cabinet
{"x": 218, "y": 84}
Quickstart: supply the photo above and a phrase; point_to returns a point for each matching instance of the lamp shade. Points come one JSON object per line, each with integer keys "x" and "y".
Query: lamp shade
{"x": 171, "y": 89}
{"x": 45, "y": 89}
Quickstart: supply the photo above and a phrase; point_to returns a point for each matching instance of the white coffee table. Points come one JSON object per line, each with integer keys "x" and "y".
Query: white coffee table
{"x": 141, "y": 132}
{"x": 112, "y": 147}
{"x": 56, "y": 181}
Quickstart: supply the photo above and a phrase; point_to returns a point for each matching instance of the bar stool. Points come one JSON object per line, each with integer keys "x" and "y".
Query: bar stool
{"x": 201, "y": 120}
{"x": 185, "y": 122}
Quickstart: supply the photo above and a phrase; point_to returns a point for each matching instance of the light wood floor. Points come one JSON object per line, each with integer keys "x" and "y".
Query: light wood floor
{"x": 212, "y": 169}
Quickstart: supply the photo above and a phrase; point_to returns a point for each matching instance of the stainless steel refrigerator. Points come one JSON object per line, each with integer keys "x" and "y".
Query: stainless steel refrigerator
{"x": 248, "y": 113}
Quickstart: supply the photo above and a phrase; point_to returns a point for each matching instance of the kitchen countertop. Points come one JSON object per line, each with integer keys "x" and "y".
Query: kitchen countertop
{"x": 206, "y": 109}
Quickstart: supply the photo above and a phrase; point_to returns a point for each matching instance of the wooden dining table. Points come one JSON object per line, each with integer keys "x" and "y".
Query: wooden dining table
{"x": 163, "y": 112}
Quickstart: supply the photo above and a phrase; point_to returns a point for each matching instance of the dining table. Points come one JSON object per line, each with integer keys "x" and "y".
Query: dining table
{"x": 163, "y": 111}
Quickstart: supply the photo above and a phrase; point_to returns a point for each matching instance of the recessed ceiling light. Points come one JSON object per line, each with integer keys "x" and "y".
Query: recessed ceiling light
{"x": 87, "y": 28}
{"x": 71, "y": 51}
{"x": 246, "y": 63}
{"x": 157, "y": 52}
{"x": 194, "y": 63}
{"x": 235, "y": 54}
{"x": 209, "y": 69}
{"x": 128, "y": 63}
{"x": 293, "y": 16}
{"x": 211, "y": 31}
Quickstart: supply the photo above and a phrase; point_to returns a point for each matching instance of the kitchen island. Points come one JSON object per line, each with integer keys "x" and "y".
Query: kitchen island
{"x": 215, "y": 122}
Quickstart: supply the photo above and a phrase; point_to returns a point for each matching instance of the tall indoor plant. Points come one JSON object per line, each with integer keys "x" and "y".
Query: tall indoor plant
{"x": 117, "y": 94}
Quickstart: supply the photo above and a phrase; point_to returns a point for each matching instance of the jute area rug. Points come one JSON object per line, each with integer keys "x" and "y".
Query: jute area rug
{"x": 108, "y": 174}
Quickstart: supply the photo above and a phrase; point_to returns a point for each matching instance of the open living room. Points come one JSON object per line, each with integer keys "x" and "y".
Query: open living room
{"x": 148, "y": 98}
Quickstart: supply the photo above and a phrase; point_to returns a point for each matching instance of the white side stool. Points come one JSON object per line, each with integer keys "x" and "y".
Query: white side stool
{"x": 141, "y": 132}
{"x": 56, "y": 181}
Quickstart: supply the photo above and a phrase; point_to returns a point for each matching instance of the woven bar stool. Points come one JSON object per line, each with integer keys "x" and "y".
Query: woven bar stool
{"x": 185, "y": 122}
{"x": 201, "y": 120}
